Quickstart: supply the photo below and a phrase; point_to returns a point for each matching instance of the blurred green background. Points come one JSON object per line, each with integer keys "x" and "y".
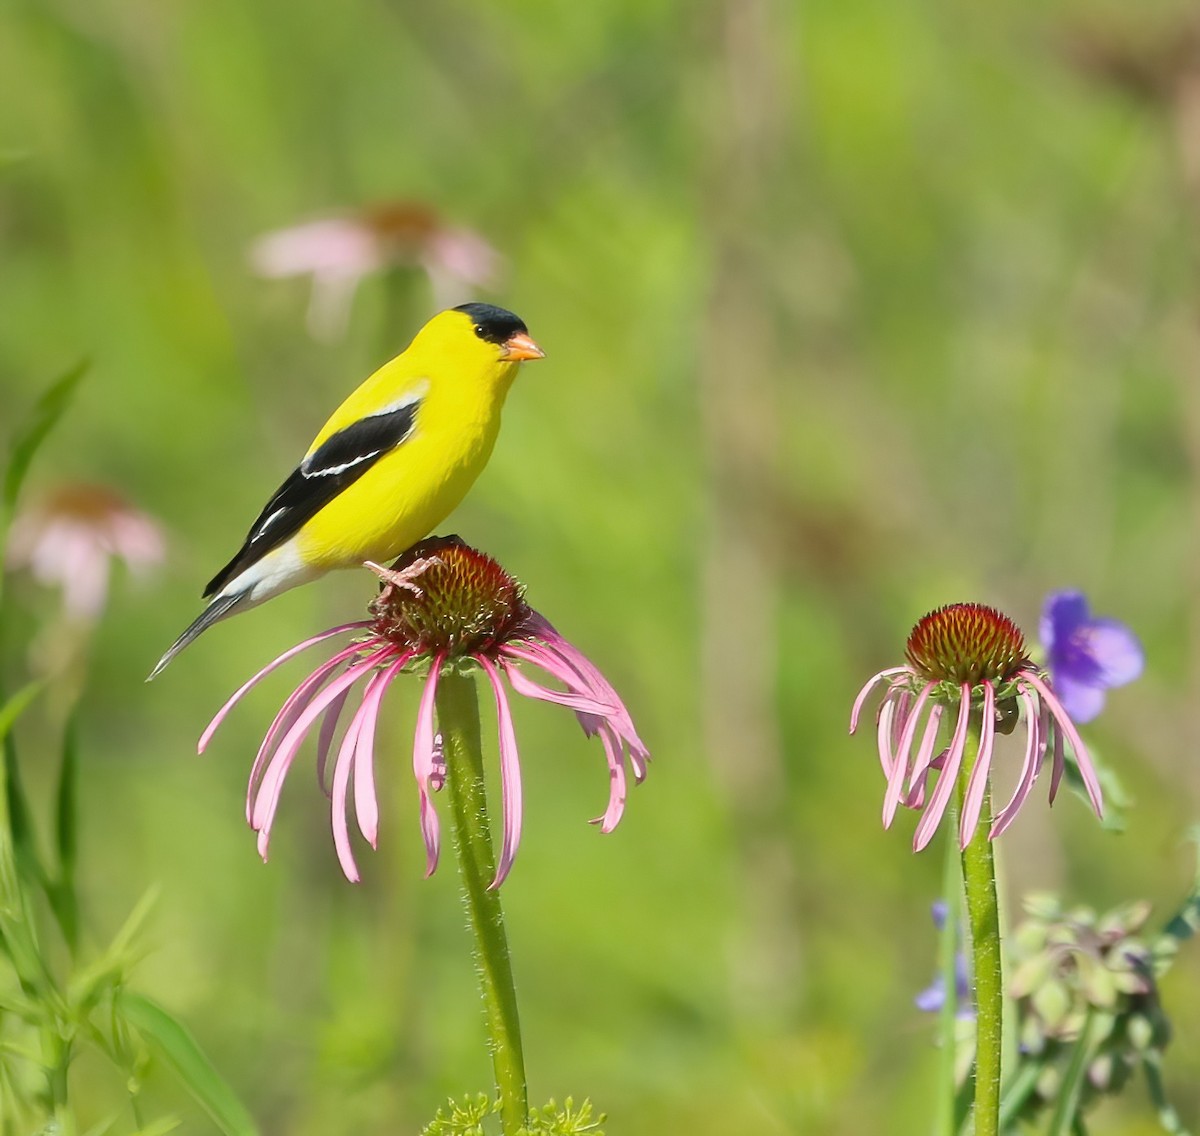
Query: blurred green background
{"x": 851, "y": 309}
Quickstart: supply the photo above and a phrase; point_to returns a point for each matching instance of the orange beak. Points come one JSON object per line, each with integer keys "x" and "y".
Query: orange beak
{"x": 521, "y": 346}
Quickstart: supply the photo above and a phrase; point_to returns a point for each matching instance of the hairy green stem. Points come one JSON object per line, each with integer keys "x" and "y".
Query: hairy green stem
{"x": 458, "y": 720}
{"x": 948, "y": 968}
{"x": 983, "y": 915}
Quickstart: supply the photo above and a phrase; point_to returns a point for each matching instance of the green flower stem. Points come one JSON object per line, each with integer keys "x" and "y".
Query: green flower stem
{"x": 947, "y": 965}
{"x": 458, "y": 720}
{"x": 983, "y": 915}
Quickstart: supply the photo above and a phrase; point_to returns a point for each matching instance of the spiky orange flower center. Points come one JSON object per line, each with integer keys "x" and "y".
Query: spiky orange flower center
{"x": 966, "y": 643}
{"x": 454, "y": 600}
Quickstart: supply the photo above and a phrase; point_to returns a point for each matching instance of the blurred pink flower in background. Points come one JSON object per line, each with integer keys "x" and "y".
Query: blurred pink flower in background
{"x": 339, "y": 251}
{"x": 69, "y": 538}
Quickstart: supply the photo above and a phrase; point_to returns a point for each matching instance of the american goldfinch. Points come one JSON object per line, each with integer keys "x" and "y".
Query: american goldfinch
{"x": 392, "y": 461}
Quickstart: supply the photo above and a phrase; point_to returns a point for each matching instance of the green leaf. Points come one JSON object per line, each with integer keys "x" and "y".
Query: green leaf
{"x": 63, "y": 899}
{"x": 1068, "y": 1091}
{"x": 1186, "y": 920}
{"x": 1117, "y": 800}
{"x": 1168, "y": 1118}
{"x": 30, "y": 436}
{"x": 175, "y": 1044}
{"x": 110, "y": 969}
{"x": 1018, "y": 1091}
{"x": 18, "y": 818}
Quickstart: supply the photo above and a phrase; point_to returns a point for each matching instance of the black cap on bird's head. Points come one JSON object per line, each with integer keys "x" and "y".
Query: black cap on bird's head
{"x": 499, "y": 326}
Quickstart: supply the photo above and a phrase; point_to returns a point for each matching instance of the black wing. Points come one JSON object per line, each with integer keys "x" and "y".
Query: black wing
{"x": 337, "y": 463}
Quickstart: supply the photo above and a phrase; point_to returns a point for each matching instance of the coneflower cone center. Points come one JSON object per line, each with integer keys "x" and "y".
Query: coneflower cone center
{"x": 966, "y": 643}
{"x": 460, "y": 602}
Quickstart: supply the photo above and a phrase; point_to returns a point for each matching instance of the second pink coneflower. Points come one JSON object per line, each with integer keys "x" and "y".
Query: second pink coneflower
{"x": 967, "y": 671}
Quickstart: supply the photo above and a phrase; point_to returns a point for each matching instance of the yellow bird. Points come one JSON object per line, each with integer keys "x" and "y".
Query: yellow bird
{"x": 390, "y": 464}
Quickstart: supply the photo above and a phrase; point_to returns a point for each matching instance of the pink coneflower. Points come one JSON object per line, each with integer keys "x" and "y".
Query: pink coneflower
{"x": 339, "y": 251}
{"x": 967, "y": 664}
{"x": 69, "y": 538}
{"x": 443, "y": 605}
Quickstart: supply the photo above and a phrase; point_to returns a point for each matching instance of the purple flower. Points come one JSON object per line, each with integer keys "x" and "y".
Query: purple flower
{"x": 933, "y": 997}
{"x": 1086, "y": 655}
{"x": 967, "y": 664}
{"x": 443, "y": 605}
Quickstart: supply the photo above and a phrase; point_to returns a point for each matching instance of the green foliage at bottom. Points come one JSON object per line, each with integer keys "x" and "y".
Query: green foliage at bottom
{"x": 476, "y": 1116}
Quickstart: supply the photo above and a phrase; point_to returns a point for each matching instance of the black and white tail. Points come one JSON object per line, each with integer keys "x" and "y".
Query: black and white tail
{"x": 217, "y": 610}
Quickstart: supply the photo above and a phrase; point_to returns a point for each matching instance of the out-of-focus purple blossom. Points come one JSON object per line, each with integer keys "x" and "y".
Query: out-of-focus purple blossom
{"x": 339, "y": 251}
{"x": 444, "y": 605}
{"x": 933, "y": 997}
{"x": 70, "y": 537}
{"x": 968, "y": 664}
{"x": 1086, "y": 655}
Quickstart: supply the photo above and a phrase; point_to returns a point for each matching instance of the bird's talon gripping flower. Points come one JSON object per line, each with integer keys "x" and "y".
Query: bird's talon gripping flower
{"x": 967, "y": 663}
{"x": 467, "y": 613}
{"x": 406, "y": 579}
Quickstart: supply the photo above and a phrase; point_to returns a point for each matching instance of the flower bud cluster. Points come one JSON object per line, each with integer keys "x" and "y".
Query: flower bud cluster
{"x": 1079, "y": 975}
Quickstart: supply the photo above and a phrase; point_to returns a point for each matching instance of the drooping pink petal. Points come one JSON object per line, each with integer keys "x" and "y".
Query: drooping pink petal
{"x": 366, "y": 804}
{"x": 602, "y": 690}
{"x": 614, "y": 752}
{"x": 524, "y": 685}
{"x": 1035, "y": 747}
{"x": 866, "y": 690}
{"x": 883, "y": 734}
{"x": 900, "y": 764}
{"x": 341, "y": 780}
{"x": 904, "y": 704}
{"x": 1063, "y": 721}
{"x": 510, "y": 775}
{"x": 935, "y": 810}
{"x": 581, "y": 677}
{"x": 267, "y": 799}
{"x": 291, "y": 709}
{"x": 1059, "y": 762}
{"x": 329, "y": 723}
{"x": 920, "y": 770}
{"x": 978, "y": 781}
{"x": 423, "y": 764}
{"x": 252, "y": 682}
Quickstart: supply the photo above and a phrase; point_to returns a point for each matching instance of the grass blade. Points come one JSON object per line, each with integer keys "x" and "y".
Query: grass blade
{"x": 172, "y": 1040}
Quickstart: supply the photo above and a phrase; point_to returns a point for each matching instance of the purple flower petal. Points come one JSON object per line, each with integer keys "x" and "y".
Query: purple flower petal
{"x": 933, "y": 997}
{"x": 1117, "y": 651}
{"x": 1082, "y": 701}
{"x": 1062, "y": 613}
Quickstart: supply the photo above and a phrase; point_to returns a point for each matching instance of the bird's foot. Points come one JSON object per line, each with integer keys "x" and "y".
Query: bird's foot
{"x": 405, "y": 577}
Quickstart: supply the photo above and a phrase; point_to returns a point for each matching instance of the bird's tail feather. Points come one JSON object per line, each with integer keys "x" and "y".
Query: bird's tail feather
{"x": 216, "y": 610}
